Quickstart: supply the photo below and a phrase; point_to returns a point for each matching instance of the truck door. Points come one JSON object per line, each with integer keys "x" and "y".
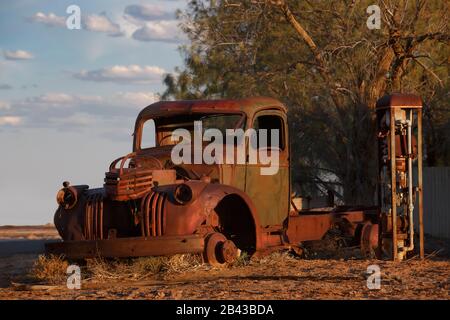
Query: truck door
{"x": 270, "y": 193}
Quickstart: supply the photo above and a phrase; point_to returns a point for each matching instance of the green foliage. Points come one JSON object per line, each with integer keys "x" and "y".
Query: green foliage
{"x": 248, "y": 48}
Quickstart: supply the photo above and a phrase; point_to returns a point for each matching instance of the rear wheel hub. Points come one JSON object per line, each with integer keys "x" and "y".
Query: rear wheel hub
{"x": 229, "y": 251}
{"x": 219, "y": 250}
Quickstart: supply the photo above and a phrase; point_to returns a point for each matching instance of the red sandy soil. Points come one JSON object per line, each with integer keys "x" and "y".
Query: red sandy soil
{"x": 277, "y": 279}
{"x": 278, "y": 276}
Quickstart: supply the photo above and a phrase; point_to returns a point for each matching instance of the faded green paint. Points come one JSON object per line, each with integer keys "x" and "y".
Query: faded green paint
{"x": 269, "y": 194}
{"x": 233, "y": 175}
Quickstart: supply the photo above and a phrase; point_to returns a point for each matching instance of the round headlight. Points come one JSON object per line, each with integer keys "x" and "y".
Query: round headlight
{"x": 183, "y": 193}
{"x": 67, "y": 197}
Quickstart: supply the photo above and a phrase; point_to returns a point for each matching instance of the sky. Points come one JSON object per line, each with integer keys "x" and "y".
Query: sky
{"x": 69, "y": 98}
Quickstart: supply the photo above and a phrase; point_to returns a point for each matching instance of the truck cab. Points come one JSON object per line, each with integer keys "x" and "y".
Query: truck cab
{"x": 270, "y": 193}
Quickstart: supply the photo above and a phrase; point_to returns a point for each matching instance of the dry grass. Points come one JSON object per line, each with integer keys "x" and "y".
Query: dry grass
{"x": 52, "y": 269}
{"x": 141, "y": 268}
{"x": 49, "y": 269}
{"x": 279, "y": 275}
{"x": 242, "y": 260}
{"x": 275, "y": 258}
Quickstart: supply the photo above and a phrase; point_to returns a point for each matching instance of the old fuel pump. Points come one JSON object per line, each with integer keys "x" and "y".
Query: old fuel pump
{"x": 399, "y": 128}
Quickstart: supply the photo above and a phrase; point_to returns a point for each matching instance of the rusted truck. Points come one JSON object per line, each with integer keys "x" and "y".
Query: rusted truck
{"x": 150, "y": 206}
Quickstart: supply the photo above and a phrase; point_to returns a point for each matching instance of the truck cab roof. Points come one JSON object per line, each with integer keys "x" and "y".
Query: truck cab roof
{"x": 249, "y": 106}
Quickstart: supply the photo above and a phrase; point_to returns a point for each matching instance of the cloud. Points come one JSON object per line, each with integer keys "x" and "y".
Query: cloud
{"x": 74, "y": 111}
{"x": 17, "y": 55}
{"x": 92, "y": 22}
{"x": 123, "y": 74}
{"x": 50, "y": 19}
{"x": 102, "y": 23}
{"x": 55, "y": 101}
{"x": 4, "y": 105}
{"x": 147, "y": 12}
{"x": 51, "y": 99}
{"x": 26, "y": 86}
{"x": 165, "y": 31}
{"x": 78, "y": 119}
{"x": 5, "y": 86}
{"x": 88, "y": 99}
{"x": 136, "y": 99}
{"x": 10, "y": 120}
{"x": 147, "y": 22}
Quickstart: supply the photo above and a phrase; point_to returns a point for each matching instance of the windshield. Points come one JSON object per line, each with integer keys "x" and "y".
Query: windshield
{"x": 158, "y": 132}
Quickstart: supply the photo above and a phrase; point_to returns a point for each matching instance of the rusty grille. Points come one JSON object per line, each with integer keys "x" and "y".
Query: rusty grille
{"x": 128, "y": 184}
{"x": 122, "y": 184}
{"x": 93, "y": 217}
{"x": 153, "y": 211}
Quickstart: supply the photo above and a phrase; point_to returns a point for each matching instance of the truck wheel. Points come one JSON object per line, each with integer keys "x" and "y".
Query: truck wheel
{"x": 369, "y": 239}
{"x": 219, "y": 250}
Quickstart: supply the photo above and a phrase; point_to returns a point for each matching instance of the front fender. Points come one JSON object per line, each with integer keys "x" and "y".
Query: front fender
{"x": 187, "y": 218}
{"x": 69, "y": 222}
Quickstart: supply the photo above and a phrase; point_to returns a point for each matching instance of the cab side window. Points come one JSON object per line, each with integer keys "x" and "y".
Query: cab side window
{"x": 148, "y": 139}
{"x": 270, "y": 122}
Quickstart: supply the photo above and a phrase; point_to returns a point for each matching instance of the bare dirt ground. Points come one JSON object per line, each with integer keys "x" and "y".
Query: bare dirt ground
{"x": 277, "y": 276}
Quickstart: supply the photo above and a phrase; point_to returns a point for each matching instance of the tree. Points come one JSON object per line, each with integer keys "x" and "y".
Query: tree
{"x": 322, "y": 61}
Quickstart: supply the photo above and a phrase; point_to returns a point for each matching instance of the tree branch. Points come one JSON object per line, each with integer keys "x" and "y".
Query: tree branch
{"x": 441, "y": 83}
{"x": 322, "y": 67}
